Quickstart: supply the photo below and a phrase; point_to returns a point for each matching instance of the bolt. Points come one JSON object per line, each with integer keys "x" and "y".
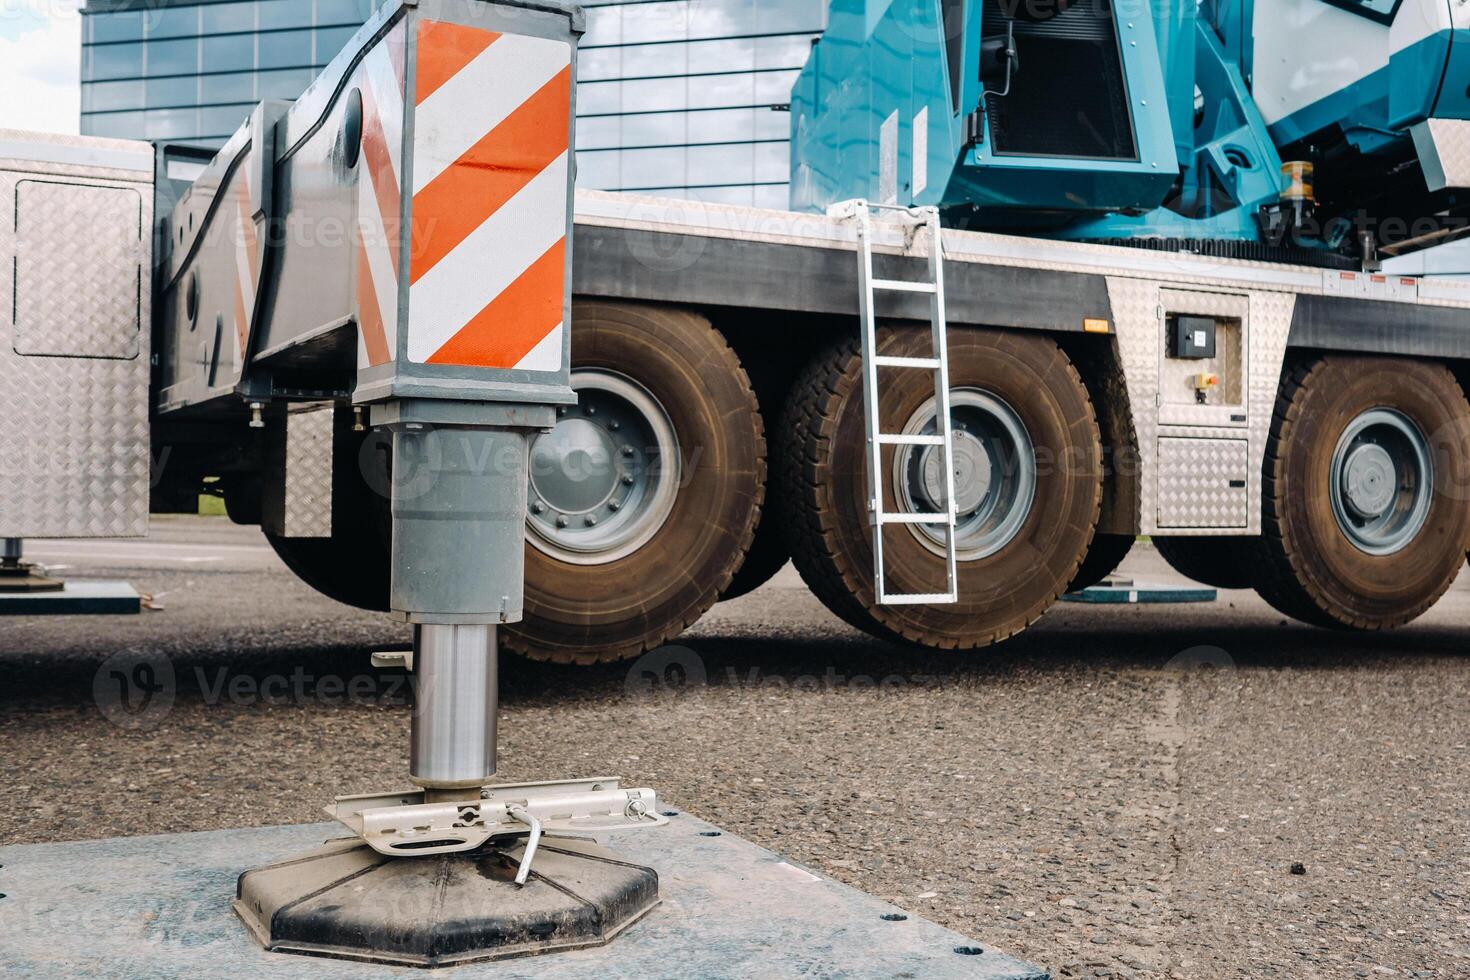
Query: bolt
{"x": 613, "y": 505}
{"x": 561, "y": 520}
{"x": 538, "y": 507}
{"x": 614, "y": 424}
{"x": 627, "y": 481}
{"x": 590, "y": 409}
{"x": 627, "y": 450}
{"x": 257, "y": 419}
{"x": 561, "y": 410}
{"x": 636, "y": 808}
{"x": 357, "y": 423}
{"x": 590, "y": 521}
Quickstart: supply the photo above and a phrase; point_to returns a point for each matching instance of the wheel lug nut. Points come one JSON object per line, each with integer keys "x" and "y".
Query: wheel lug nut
{"x": 561, "y": 520}
{"x": 590, "y": 521}
{"x": 538, "y": 507}
{"x": 591, "y": 409}
{"x": 627, "y": 450}
{"x": 614, "y": 425}
{"x": 627, "y": 481}
{"x": 613, "y": 505}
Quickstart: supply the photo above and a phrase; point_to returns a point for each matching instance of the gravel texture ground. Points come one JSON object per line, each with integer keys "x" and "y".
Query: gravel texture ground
{"x": 1201, "y": 791}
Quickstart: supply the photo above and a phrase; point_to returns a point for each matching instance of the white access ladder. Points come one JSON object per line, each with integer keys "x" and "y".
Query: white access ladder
{"x": 860, "y": 214}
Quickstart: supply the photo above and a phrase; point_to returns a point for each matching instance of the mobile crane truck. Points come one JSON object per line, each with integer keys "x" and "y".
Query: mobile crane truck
{"x": 1161, "y": 225}
{"x": 1162, "y": 228}
{"x": 1056, "y": 274}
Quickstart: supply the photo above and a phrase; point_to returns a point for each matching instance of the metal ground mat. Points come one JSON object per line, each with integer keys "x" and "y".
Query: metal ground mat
{"x": 160, "y": 907}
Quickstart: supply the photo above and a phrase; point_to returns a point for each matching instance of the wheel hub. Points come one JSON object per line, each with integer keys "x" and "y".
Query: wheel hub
{"x": 572, "y": 468}
{"x": 603, "y": 481}
{"x": 994, "y": 474}
{"x": 972, "y": 473}
{"x": 1382, "y": 481}
{"x": 1368, "y": 483}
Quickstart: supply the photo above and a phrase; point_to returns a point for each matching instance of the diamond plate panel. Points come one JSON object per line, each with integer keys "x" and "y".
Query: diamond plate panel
{"x": 308, "y": 511}
{"x": 1137, "y": 316}
{"x": 74, "y": 436}
{"x": 1443, "y": 146}
{"x": 1202, "y": 483}
{"x": 78, "y": 269}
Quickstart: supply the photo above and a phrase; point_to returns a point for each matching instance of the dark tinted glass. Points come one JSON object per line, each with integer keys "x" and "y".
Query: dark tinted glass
{"x": 121, "y": 26}
{"x": 285, "y": 49}
{"x": 173, "y": 57}
{"x": 221, "y": 17}
{"x": 114, "y": 61}
{"x": 230, "y": 52}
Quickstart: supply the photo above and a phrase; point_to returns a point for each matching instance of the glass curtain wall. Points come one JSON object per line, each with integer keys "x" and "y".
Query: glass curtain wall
{"x": 683, "y": 98}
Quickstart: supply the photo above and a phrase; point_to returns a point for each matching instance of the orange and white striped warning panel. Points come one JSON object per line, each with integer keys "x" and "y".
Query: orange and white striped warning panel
{"x": 487, "y": 260}
{"x": 378, "y": 265}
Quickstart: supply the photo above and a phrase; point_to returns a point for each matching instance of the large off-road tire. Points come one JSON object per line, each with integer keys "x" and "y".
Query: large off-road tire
{"x": 1104, "y": 555}
{"x": 1222, "y": 562}
{"x": 1366, "y": 508}
{"x": 645, "y": 499}
{"x": 767, "y": 556}
{"x": 1008, "y": 389}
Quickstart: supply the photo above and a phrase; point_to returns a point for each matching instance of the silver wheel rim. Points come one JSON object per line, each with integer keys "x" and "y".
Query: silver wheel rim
{"x": 995, "y": 474}
{"x": 1382, "y": 481}
{"x": 603, "y": 481}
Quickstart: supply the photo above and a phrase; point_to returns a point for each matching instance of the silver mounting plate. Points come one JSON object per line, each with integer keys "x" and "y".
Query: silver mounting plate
{"x": 403, "y": 824}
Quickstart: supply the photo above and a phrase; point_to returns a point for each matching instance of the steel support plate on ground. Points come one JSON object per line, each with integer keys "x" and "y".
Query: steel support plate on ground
{"x": 160, "y": 906}
{"x": 75, "y": 599}
{"x": 1123, "y": 592}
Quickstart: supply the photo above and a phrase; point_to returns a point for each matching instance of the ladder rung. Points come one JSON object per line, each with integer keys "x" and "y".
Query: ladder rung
{"x": 911, "y": 518}
{"x": 900, "y": 286}
{"x": 899, "y": 439}
{"x": 883, "y": 360}
{"x": 919, "y": 599}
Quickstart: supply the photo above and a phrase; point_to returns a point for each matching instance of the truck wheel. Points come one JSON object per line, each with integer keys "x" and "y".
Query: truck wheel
{"x": 1104, "y": 555}
{"x": 766, "y": 557}
{"x": 1028, "y": 461}
{"x": 645, "y": 497}
{"x": 1222, "y": 562}
{"x": 1366, "y": 478}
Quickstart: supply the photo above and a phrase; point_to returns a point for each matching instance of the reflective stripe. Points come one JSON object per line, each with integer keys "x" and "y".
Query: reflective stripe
{"x": 492, "y": 257}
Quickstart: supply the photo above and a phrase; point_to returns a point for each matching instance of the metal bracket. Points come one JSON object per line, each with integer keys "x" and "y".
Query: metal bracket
{"x": 404, "y": 825}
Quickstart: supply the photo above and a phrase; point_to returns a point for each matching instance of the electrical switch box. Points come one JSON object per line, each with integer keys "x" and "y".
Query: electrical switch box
{"x": 1193, "y": 337}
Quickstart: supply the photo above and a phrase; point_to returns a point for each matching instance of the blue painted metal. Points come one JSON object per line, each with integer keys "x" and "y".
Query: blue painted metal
{"x": 1377, "y": 110}
{"x": 879, "y": 58}
{"x": 1233, "y": 170}
{"x": 1111, "y": 594}
{"x": 1206, "y": 163}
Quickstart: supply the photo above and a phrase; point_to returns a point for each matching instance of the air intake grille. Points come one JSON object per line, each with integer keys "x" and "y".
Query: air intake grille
{"x": 1069, "y": 98}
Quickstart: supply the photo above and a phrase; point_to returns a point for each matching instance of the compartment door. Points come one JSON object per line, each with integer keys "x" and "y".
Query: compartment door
{"x": 1203, "y": 483}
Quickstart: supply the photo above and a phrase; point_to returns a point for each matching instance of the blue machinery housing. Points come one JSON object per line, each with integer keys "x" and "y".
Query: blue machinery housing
{"x": 1102, "y": 120}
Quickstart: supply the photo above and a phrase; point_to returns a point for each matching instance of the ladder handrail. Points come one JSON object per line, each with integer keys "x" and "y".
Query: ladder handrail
{"x": 860, "y": 213}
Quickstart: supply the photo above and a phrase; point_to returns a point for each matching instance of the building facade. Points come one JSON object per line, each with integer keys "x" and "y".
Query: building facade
{"x": 682, "y": 98}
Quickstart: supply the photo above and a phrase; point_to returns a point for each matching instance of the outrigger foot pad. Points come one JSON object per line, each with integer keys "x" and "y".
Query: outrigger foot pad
{"x": 347, "y": 900}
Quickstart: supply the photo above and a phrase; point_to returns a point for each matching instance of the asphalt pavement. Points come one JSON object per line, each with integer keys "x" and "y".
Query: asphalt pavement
{"x": 1200, "y": 791}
